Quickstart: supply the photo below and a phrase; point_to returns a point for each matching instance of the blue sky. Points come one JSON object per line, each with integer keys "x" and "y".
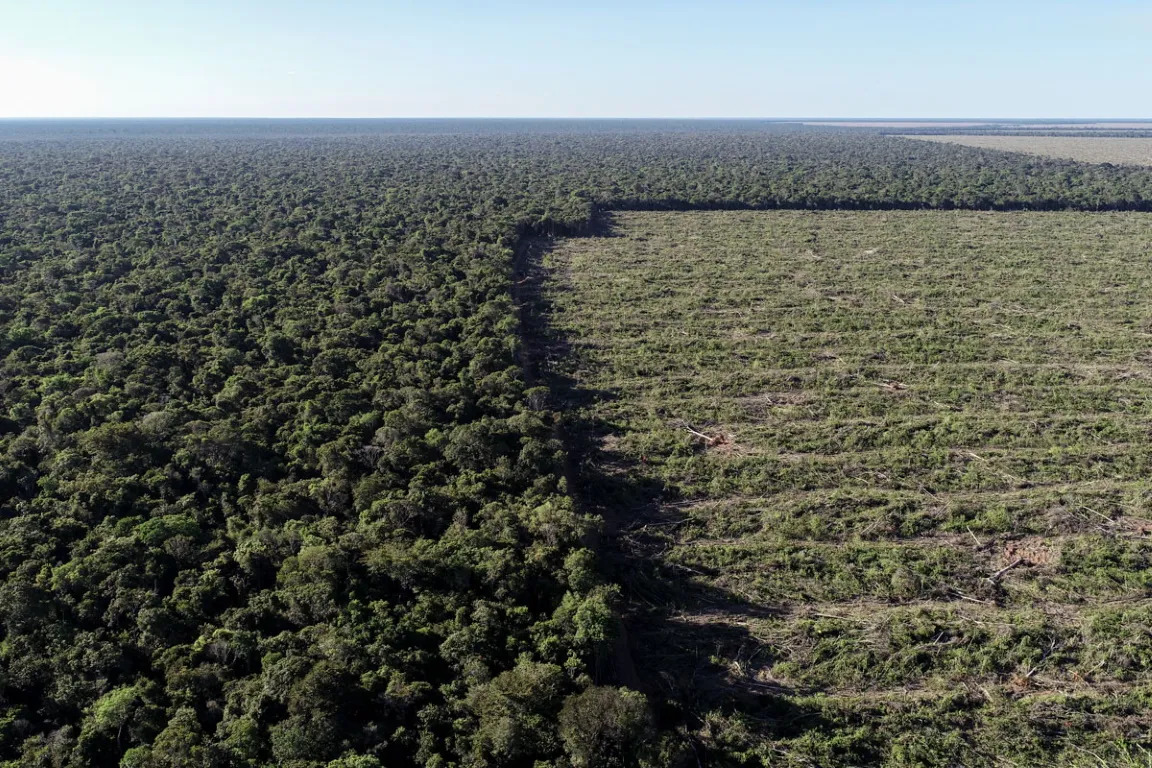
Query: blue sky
{"x": 628, "y": 58}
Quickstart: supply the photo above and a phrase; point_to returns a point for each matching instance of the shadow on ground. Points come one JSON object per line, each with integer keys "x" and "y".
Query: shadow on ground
{"x": 681, "y": 642}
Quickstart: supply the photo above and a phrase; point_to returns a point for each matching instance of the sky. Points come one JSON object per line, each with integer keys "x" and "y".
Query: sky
{"x": 594, "y": 58}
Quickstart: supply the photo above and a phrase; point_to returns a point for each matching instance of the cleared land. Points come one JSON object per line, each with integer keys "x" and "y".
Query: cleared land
{"x": 896, "y": 123}
{"x": 881, "y": 482}
{"x": 1089, "y": 149}
{"x": 1014, "y": 126}
{"x": 1108, "y": 125}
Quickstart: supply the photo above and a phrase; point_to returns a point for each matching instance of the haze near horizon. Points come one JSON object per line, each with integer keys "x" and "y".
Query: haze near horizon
{"x": 128, "y": 58}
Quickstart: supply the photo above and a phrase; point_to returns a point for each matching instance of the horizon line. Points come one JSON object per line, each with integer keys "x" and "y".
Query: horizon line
{"x": 788, "y": 119}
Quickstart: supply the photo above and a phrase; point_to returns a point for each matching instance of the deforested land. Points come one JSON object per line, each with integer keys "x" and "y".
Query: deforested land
{"x": 878, "y": 481}
{"x": 1119, "y": 150}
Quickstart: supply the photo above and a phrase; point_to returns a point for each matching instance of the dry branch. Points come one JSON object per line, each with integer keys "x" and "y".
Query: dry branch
{"x": 969, "y": 598}
{"x": 710, "y": 440}
{"x": 996, "y": 576}
{"x": 978, "y": 544}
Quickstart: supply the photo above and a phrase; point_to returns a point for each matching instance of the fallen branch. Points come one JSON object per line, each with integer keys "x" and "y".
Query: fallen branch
{"x": 890, "y": 384}
{"x": 963, "y": 596}
{"x": 978, "y": 543}
{"x": 841, "y": 618}
{"x": 1047, "y": 653}
{"x": 996, "y": 576}
{"x": 1004, "y": 475}
{"x": 686, "y": 568}
{"x": 1109, "y": 521}
{"x": 709, "y": 440}
{"x": 698, "y": 434}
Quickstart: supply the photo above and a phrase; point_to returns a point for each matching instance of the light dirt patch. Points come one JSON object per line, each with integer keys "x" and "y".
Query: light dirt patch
{"x": 1088, "y": 149}
{"x": 894, "y": 124}
{"x": 1031, "y": 551}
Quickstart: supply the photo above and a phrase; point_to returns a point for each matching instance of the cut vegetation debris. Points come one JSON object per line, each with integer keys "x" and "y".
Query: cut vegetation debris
{"x": 932, "y": 546}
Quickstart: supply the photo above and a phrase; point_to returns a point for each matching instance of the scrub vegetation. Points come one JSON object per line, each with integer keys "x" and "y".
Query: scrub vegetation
{"x": 286, "y": 468}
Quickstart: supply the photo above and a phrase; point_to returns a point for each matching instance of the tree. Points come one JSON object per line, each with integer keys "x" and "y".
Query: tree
{"x": 605, "y": 727}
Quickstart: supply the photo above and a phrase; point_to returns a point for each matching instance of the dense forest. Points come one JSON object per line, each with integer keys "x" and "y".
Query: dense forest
{"x": 279, "y": 486}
